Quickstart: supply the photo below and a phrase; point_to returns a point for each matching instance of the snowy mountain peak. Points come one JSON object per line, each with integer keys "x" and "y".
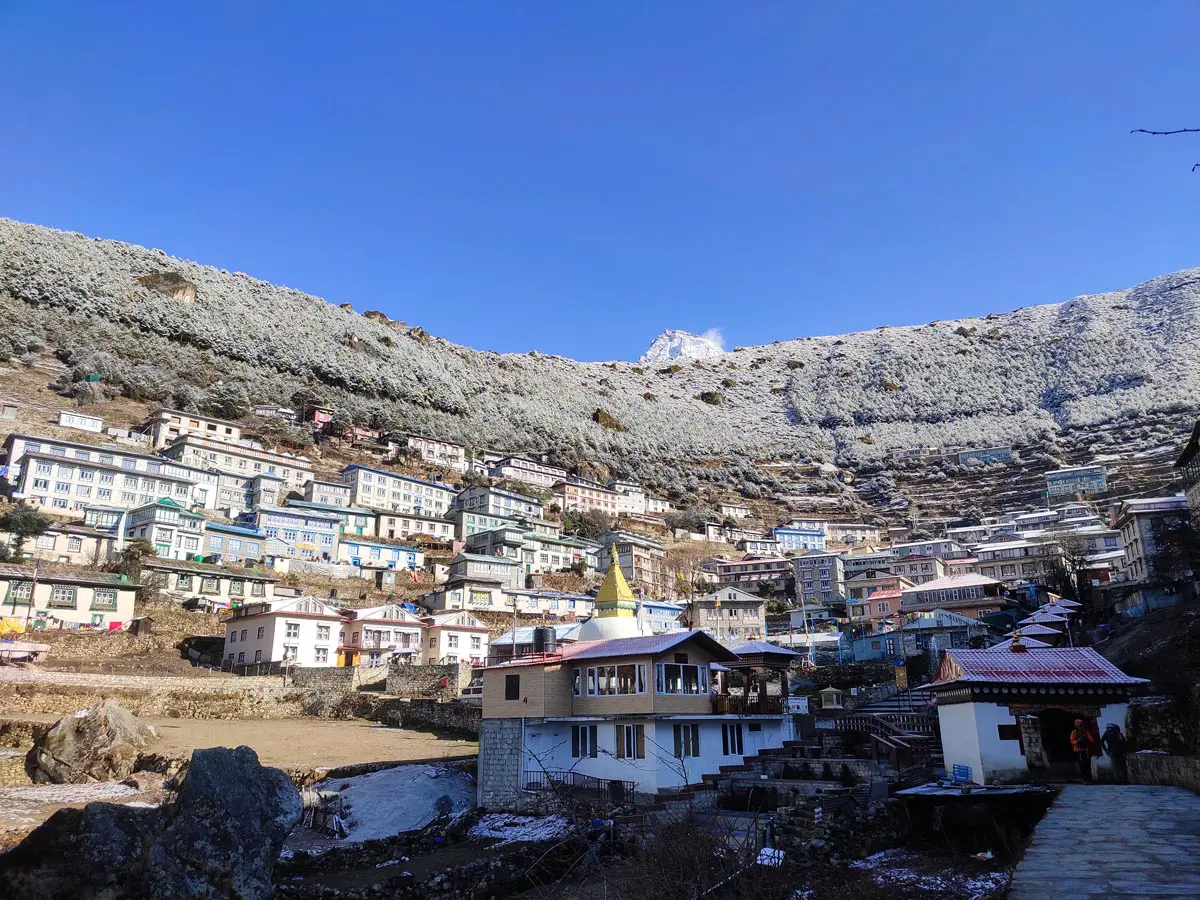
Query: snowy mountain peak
{"x": 672, "y": 344}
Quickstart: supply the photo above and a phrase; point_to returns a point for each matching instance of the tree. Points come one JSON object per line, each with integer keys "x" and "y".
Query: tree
{"x": 23, "y": 522}
{"x": 1070, "y": 562}
{"x": 131, "y": 557}
{"x": 588, "y": 525}
{"x": 228, "y": 400}
{"x": 684, "y": 563}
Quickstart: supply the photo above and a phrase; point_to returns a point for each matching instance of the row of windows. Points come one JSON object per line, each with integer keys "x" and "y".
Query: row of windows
{"x": 107, "y": 459}
{"x": 211, "y": 584}
{"x": 20, "y": 593}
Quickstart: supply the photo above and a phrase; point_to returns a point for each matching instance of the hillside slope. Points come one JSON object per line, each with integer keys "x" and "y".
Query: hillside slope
{"x": 1016, "y": 377}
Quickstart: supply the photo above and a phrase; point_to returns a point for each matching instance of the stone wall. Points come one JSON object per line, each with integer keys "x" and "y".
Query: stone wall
{"x": 408, "y": 680}
{"x": 1159, "y": 768}
{"x": 499, "y": 768}
{"x": 1164, "y": 723}
{"x": 433, "y": 714}
{"x": 850, "y": 675}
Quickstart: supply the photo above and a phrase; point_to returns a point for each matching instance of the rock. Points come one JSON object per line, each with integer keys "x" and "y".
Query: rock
{"x": 101, "y": 743}
{"x": 228, "y": 826}
{"x": 220, "y": 839}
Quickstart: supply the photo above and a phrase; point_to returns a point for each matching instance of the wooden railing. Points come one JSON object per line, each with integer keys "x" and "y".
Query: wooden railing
{"x": 732, "y": 704}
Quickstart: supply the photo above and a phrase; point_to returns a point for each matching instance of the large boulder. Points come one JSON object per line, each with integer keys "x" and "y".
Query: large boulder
{"x": 101, "y": 743}
{"x": 218, "y": 841}
{"x": 229, "y": 824}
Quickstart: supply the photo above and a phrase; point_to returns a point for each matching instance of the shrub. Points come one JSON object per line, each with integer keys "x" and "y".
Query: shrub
{"x": 649, "y": 396}
{"x": 727, "y": 382}
{"x": 672, "y": 369}
{"x": 795, "y": 364}
{"x": 712, "y": 398}
{"x": 607, "y": 420}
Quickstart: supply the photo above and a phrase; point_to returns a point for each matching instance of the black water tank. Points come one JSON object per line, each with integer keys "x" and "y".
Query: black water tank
{"x": 544, "y": 640}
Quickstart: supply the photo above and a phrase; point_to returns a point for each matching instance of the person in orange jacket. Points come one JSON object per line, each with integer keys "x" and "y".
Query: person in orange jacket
{"x": 1081, "y": 745}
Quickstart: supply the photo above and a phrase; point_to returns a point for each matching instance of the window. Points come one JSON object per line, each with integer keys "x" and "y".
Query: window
{"x": 583, "y": 741}
{"x": 46, "y": 541}
{"x": 452, "y": 641}
{"x": 631, "y": 741}
{"x": 292, "y": 631}
{"x": 512, "y": 687}
{"x": 687, "y": 741}
{"x": 19, "y": 593}
{"x": 321, "y": 654}
{"x": 323, "y": 632}
{"x": 209, "y": 584}
{"x": 1008, "y": 732}
{"x": 74, "y": 544}
{"x": 237, "y": 587}
{"x": 258, "y": 655}
{"x": 233, "y": 637}
{"x": 261, "y": 632}
{"x": 576, "y": 682}
{"x": 184, "y": 583}
{"x": 62, "y": 597}
{"x": 670, "y": 678}
{"x": 104, "y": 598}
{"x": 241, "y": 658}
{"x": 731, "y": 739}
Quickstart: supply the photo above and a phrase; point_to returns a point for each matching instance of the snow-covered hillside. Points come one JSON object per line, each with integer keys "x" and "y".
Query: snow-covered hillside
{"x": 672, "y": 345}
{"x": 1013, "y": 377}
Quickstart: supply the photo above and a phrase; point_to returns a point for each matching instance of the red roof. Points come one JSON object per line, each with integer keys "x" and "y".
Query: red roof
{"x": 1076, "y": 665}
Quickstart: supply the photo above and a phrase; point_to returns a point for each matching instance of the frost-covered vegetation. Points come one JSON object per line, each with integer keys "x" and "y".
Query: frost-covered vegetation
{"x": 1016, "y": 377}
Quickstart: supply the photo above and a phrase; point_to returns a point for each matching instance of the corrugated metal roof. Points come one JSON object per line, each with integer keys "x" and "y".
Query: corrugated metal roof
{"x": 1077, "y": 665}
{"x": 645, "y": 646}
{"x": 1032, "y": 643}
{"x": 755, "y": 648}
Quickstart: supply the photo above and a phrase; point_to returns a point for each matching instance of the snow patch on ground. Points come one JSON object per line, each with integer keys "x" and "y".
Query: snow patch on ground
{"x": 67, "y": 793}
{"x": 384, "y": 803}
{"x": 511, "y": 829}
{"x": 908, "y": 870}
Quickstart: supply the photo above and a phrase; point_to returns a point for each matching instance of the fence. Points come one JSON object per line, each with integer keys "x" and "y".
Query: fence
{"x": 567, "y": 782}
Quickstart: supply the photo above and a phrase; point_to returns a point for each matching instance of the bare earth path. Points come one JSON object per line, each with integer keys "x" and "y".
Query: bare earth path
{"x": 1114, "y": 841}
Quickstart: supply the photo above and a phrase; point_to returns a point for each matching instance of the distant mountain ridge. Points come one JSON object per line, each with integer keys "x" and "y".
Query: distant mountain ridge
{"x": 167, "y": 330}
{"x": 672, "y": 345}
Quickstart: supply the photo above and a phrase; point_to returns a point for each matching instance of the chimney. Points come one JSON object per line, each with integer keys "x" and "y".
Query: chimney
{"x": 1016, "y": 646}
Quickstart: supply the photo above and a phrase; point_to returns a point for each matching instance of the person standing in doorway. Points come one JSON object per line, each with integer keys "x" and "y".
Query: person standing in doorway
{"x": 1081, "y": 745}
{"x": 1114, "y": 744}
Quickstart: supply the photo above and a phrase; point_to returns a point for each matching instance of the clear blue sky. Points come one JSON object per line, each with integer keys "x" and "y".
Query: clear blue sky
{"x": 574, "y": 177}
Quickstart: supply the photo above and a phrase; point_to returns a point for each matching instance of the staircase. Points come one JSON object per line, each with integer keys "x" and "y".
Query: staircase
{"x": 913, "y": 700}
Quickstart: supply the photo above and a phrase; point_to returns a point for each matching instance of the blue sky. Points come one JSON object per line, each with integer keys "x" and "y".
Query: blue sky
{"x": 576, "y": 177}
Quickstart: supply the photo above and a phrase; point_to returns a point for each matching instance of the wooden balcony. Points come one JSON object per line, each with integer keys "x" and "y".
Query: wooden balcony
{"x": 732, "y": 704}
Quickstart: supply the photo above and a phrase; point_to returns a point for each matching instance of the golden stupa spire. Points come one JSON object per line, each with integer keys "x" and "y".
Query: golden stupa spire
{"x": 615, "y": 598}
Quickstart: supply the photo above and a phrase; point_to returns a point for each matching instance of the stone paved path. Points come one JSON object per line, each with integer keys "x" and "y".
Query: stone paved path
{"x": 1114, "y": 841}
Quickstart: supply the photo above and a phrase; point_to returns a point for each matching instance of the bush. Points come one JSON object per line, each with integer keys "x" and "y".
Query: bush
{"x": 607, "y": 420}
{"x": 712, "y": 398}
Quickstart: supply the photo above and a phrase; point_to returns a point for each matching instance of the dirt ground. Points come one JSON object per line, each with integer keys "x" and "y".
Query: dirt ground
{"x": 303, "y": 743}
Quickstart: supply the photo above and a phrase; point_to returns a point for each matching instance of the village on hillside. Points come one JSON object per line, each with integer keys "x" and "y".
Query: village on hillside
{"x": 590, "y": 643}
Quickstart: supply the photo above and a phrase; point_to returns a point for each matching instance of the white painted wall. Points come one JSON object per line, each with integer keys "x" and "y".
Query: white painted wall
{"x": 1001, "y": 760}
{"x": 960, "y": 738}
{"x": 548, "y": 745}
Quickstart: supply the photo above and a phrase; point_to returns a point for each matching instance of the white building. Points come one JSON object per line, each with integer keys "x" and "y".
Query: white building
{"x": 207, "y": 453}
{"x": 168, "y": 424}
{"x": 489, "y": 501}
{"x": 327, "y": 493}
{"x": 586, "y": 496}
{"x": 734, "y": 510}
{"x": 175, "y": 532}
{"x": 1006, "y": 713}
{"x": 43, "y": 599}
{"x": 380, "y": 489}
{"x": 517, "y": 468}
{"x": 371, "y": 636}
{"x": 64, "y": 477}
{"x": 80, "y": 422}
{"x": 438, "y": 452}
{"x": 455, "y": 637}
{"x": 1077, "y": 481}
{"x": 303, "y": 631}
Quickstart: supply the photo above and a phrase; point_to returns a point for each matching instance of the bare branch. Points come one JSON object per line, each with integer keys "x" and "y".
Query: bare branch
{"x": 1176, "y": 131}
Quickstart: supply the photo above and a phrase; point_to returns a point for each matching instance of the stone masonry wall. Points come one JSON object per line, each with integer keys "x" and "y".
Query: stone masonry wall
{"x": 499, "y": 768}
{"x": 453, "y": 716}
{"x": 1161, "y": 769}
{"x": 407, "y": 680}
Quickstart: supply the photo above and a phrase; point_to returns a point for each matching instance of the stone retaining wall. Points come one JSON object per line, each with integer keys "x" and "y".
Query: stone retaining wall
{"x": 452, "y": 716}
{"x": 1161, "y": 769}
{"x": 408, "y": 680}
{"x": 337, "y": 678}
